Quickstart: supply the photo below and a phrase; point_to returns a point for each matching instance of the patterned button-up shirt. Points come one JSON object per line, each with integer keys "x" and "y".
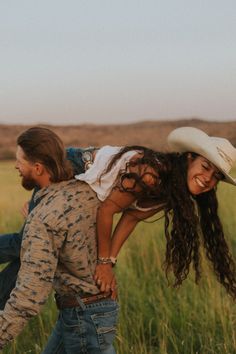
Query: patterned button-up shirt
{"x": 59, "y": 250}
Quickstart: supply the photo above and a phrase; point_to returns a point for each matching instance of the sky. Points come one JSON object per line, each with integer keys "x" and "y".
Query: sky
{"x": 123, "y": 61}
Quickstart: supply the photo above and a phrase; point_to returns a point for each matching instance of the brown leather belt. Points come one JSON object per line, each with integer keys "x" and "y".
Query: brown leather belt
{"x": 72, "y": 301}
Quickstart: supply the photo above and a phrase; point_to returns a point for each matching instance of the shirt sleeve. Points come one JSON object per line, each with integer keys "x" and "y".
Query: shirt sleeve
{"x": 39, "y": 258}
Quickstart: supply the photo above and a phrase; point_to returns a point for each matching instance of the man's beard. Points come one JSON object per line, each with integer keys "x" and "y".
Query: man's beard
{"x": 28, "y": 183}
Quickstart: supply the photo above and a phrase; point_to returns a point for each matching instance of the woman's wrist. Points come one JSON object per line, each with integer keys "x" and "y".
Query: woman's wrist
{"x": 107, "y": 260}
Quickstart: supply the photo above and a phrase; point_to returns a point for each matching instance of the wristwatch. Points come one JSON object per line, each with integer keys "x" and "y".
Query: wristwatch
{"x": 87, "y": 158}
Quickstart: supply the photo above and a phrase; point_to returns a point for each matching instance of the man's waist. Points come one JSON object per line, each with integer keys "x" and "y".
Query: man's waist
{"x": 66, "y": 301}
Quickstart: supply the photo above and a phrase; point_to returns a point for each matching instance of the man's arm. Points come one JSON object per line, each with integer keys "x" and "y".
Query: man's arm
{"x": 34, "y": 282}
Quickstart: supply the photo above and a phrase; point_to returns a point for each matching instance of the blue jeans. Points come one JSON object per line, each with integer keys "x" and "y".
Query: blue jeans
{"x": 10, "y": 245}
{"x": 89, "y": 329}
{"x": 9, "y": 251}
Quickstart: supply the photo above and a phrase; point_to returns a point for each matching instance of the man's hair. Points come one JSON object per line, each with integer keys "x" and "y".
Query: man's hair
{"x": 43, "y": 145}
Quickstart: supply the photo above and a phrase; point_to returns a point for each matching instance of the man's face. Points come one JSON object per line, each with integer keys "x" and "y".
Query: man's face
{"x": 26, "y": 169}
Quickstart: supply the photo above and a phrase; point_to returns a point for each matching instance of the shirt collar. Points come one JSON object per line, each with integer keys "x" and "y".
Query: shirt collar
{"x": 52, "y": 187}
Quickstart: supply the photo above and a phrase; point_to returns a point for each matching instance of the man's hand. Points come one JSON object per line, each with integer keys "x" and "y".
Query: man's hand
{"x": 25, "y": 210}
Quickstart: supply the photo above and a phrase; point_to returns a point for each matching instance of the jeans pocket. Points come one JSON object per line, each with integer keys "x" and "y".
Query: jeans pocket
{"x": 69, "y": 318}
{"x": 105, "y": 324}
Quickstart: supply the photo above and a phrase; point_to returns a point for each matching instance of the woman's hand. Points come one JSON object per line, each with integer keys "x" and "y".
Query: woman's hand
{"x": 105, "y": 279}
{"x": 25, "y": 210}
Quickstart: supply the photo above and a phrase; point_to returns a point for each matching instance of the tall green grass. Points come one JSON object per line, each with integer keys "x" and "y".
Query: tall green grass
{"x": 154, "y": 318}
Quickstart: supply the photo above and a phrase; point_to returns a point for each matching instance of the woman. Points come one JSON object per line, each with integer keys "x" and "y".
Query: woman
{"x": 182, "y": 184}
{"x": 140, "y": 182}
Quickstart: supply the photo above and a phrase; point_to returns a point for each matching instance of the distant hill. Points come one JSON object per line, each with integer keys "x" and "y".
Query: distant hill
{"x": 149, "y": 133}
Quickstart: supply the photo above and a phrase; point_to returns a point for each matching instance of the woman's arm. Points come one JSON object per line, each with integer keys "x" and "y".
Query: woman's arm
{"x": 110, "y": 247}
{"x": 126, "y": 225}
{"x": 115, "y": 203}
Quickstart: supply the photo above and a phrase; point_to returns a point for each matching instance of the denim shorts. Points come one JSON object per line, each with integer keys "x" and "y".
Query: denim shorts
{"x": 76, "y": 157}
{"x": 87, "y": 330}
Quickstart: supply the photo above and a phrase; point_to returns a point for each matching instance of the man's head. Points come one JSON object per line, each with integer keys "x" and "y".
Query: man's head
{"x": 41, "y": 158}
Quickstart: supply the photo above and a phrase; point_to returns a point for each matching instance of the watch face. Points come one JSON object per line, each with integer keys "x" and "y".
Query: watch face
{"x": 87, "y": 156}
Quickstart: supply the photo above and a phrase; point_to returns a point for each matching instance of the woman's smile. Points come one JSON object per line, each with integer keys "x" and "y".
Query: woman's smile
{"x": 202, "y": 175}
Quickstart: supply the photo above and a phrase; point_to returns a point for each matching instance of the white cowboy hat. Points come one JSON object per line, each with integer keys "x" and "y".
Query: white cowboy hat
{"x": 218, "y": 151}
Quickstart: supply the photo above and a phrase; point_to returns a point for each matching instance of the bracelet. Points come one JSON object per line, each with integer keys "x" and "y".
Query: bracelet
{"x": 113, "y": 260}
{"x": 107, "y": 260}
{"x": 103, "y": 260}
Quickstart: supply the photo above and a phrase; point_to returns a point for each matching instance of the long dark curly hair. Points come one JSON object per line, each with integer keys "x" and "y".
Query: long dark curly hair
{"x": 188, "y": 218}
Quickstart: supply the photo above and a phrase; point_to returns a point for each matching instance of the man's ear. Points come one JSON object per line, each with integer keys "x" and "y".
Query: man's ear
{"x": 39, "y": 168}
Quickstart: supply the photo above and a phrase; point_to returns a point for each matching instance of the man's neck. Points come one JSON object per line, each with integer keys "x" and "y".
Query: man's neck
{"x": 43, "y": 181}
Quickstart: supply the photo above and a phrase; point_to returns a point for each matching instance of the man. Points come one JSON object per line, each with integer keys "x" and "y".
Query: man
{"x": 10, "y": 244}
{"x": 58, "y": 250}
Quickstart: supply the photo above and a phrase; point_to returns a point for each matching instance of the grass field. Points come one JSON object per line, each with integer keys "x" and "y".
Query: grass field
{"x": 154, "y": 318}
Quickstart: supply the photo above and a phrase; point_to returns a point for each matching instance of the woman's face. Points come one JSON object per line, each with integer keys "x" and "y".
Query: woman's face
{"x": 202, "y": 175}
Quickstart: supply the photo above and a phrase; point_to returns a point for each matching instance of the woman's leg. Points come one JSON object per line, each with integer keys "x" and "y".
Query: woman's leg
{"x": 8, "y": 278}
{"x": 10, "y": 245}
